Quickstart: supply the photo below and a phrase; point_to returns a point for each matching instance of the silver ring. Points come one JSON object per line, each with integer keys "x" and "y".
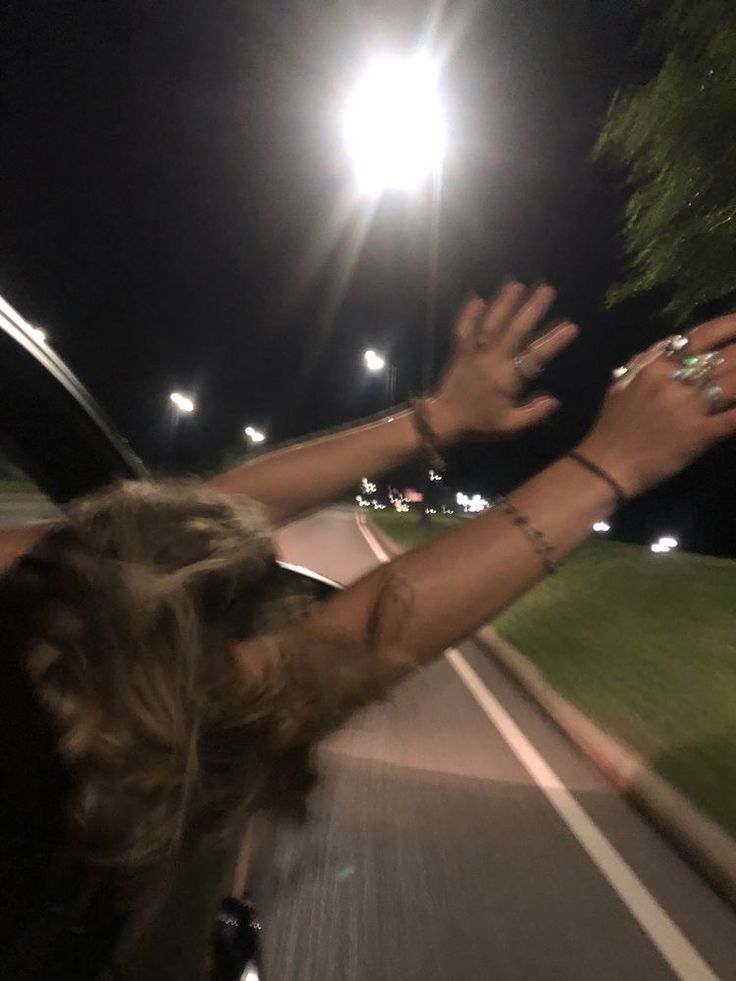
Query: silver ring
{"x": 676, "y": 344}
{"x": 527, "y": 373}
{"x": 716, "y": 398}
{"x": 697, "y": 368}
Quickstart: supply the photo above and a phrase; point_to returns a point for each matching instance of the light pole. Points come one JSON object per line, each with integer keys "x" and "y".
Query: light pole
{"x": 376, "y": 363}
{"x": 395, "y": 136}
{"x": 179, "y": 405}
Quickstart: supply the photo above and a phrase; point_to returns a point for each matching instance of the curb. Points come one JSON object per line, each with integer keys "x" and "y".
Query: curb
{"x": 710, "y": 849}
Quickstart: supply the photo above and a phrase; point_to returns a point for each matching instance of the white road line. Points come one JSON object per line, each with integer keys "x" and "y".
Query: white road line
{"x": 666, "y": 936}
{"x": 375, "y": 546}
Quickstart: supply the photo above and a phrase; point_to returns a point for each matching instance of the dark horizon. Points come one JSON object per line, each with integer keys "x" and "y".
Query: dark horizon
{"x": 169, "y": 179}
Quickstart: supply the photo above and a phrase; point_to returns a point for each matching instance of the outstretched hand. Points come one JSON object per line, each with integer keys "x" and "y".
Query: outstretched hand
{"x": 493, "y": 360}
{"x": 656, "y": 419}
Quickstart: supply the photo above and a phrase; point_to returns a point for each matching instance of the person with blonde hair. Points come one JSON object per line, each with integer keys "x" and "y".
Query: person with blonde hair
{"x": 181, "y": 684}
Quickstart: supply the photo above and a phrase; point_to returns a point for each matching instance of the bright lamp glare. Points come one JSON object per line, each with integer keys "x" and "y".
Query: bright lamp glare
{"x": 393, "y": 124}
{"x": 38, "y": 334}
{"x": 182, "y": 402}
{"x": 602, "y": 527}
{"x": 254, "y": 435}
{"x": 373, "y": 361}
{"x": 659, "y": 547}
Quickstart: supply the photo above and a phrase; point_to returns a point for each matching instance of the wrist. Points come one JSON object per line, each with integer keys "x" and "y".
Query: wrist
{"x": 615, "y": 463}
{"x": 444, "y": 422}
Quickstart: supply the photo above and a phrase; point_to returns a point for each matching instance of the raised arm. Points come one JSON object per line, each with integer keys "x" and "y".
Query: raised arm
{"x": 654, "y": 422}
{"x": 477, "y": 396}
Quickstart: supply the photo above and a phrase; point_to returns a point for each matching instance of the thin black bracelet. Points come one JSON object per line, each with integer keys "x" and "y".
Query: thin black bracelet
{"x": 600, "y": 472}
{"x": 430, "y": 443}
{"x": 540, "y": 544}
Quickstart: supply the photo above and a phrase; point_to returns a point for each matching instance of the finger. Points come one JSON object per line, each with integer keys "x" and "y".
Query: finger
{"x": 528, "y": 317}
{"x": 727, "y": 362}
{"x": 726, "y": 383}
{"x": 501, "y": 309}
{"x": 531, "y": 414}
{"x": 466, "y": 325}
{"x": 549, "y": 345}
{"x": 723, "y": 424}
{"x": 643, "y": 360}
{"x": 712, "y": 334}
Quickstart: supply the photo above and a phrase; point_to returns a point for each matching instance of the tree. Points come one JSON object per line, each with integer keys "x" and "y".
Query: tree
{"x": 676, "y": 137}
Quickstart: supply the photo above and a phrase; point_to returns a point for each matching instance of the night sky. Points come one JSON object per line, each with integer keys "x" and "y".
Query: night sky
{"x": 177, "y": 212}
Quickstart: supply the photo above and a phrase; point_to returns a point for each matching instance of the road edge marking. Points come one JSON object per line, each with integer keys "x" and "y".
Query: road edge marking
{"x": 373, "y": 543}
{"x": 663, "y": 932}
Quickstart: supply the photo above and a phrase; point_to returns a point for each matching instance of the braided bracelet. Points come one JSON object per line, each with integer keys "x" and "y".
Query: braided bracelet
{"x": 430, "y": 442}
{"x": 541, "y": 546}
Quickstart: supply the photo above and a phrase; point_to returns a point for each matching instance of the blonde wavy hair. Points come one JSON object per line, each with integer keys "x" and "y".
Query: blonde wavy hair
{"x": 126, "y": 613}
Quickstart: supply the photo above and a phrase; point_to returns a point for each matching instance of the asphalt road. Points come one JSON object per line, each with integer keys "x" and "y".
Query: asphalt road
{"x": 440, "y": 849}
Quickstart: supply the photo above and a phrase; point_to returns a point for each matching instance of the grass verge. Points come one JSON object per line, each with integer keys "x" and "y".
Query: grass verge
{"x": 646, "y": 646}
{"x": 406, "y": 530}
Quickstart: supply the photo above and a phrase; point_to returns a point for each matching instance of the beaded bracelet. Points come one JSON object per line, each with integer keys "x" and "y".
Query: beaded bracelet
{"x": 430, "y": 442}
{"x": 541, "y": 546}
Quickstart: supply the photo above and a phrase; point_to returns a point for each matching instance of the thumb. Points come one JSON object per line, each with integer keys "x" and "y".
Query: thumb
{"x": 532, "y": 414}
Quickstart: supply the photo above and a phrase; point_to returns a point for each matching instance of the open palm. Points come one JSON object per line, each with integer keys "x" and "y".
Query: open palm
{"x": 494, "y": 360}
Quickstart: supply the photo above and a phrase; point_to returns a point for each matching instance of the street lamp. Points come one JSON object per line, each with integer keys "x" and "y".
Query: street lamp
{"x": 373, "y": 361}
{"x": 394, "y": 131}
{"x": 393, "y": 124}
{"x": 254, "y": 435}
{"x": 182, "y": 402}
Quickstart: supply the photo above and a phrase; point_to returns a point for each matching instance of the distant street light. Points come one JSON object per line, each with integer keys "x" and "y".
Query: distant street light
{"x": 254, "y": 435}
{"x": 393, "y": 124}
{"x": 373, "y": 361}
{"x": 602, "y": 527}
{"x": 664, "y": 544}
{"x": 182, "y": 402}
